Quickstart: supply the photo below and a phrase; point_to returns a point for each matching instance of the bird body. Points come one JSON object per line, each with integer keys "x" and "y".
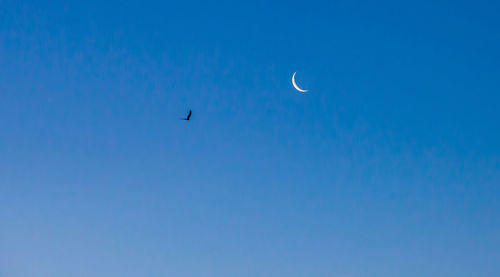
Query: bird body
{"x": 188, "y": 116}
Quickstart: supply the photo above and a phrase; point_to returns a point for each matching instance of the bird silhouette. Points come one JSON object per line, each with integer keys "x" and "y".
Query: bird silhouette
{"x": 188, "y": 116}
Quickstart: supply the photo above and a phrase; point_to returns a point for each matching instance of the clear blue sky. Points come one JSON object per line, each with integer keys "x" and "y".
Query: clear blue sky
{"x": 390, "y": 166}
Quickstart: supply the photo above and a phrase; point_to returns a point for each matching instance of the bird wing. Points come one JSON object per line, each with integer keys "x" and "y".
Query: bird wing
{"x": 189, "y": 114}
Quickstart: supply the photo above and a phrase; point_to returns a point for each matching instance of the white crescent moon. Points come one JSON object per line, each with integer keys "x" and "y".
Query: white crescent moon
{"x": 295, "y": 84}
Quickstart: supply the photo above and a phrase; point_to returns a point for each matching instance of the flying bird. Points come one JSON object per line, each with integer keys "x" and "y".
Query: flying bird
{"x": 188, "y": 116}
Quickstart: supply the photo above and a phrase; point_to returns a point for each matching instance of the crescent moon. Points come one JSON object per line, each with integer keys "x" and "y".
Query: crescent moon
{"x": 295, "y": 84}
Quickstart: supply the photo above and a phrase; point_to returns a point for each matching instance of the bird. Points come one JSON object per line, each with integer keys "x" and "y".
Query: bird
{"x": 188, "y": 116}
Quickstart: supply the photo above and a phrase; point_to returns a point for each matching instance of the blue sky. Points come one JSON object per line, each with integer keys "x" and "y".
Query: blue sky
{"x": 389, "y": 166}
